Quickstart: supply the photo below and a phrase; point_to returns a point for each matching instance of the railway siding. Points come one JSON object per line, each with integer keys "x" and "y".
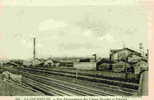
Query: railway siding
{"x": 39, "y": 79}
{"x": 39, "y": 76}
{"x": 74, "y": 88}
{"x": 87, "y": 77}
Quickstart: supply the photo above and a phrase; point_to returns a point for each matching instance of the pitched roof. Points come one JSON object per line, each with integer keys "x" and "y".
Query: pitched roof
{"x": 118, "y": 50}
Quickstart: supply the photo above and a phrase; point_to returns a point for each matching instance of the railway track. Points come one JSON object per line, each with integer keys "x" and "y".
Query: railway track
{"x": 128, "y": 85}
{"x": 40, "y": 80}
{"x": 47, "y": 89}
{"x": 100, "y": 90}
{"x": 72, "y": 89}
{"x": 23, "y": 85}
{"x": 101, "y": 86}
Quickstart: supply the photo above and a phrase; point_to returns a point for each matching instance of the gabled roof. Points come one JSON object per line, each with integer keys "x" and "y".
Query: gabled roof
{"x": 118, "y": 50}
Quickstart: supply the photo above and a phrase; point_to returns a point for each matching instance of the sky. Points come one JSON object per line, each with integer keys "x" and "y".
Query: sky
{"x": 69, "y": 30}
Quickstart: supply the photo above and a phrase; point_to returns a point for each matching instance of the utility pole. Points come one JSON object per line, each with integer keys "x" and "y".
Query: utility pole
{"x": 34, "y": 51}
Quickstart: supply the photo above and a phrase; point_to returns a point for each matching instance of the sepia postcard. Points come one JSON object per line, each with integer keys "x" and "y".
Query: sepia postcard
{"x": 76, "y": 49}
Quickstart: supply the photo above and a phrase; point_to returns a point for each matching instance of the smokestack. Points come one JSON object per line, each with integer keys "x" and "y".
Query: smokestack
{"x": 95, "y": 57}
{"x": 34, "y": 52}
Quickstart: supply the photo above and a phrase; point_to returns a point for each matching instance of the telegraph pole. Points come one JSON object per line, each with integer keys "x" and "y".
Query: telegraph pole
{"x": 34, "y": 51}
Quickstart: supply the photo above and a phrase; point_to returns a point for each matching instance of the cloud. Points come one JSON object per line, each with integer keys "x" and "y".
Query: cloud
{"x": 60, "y": 38}
{"x": 98, "y": 26}
{"x": 108, "y": 38}
{"x": 51, "y": 24}
{"x": 62, "y": 35}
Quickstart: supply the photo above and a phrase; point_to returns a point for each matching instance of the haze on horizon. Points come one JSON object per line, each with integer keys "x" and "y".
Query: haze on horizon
{"x": 70, "y": 30}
